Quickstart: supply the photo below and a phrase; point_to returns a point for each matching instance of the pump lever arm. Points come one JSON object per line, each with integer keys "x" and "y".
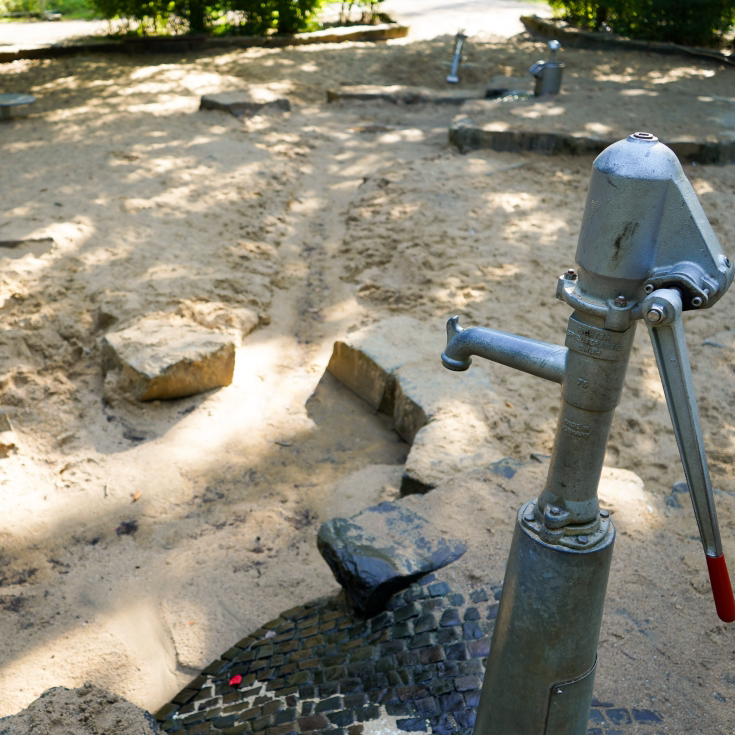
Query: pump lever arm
{"x": 662, "y": 314}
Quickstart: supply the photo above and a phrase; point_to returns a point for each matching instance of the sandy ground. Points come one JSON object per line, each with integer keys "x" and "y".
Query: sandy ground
{"x": 321, "y": 229}
{"x": 606, "y": 105}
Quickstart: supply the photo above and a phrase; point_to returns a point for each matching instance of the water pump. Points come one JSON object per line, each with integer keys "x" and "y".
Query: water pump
{"x": 548, "y": 73}
{"x": 646, "y": 252}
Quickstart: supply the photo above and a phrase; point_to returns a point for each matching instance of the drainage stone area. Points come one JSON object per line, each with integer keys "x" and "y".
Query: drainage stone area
{"x": 317, "y": 668}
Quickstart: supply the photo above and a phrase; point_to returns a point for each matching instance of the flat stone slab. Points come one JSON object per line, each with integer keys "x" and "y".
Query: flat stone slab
{"x": 160, "y": 358}
{"x": 381, "y": 551}
{"x": 399, "y": 94}
{"x": 395, "y": 366}
{"x": 14, "y": 105}
{"x": 87, "y": 710}
{"x": 246, "y": 103}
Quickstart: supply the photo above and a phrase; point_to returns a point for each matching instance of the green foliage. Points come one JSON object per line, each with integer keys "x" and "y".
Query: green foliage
{"x": 580, "y": 13}
{"x": 369, "y": 10}
{"x": 222, "y": 17}
{"x": 152, "y": 15}
{"x": 691, "y": 22}
{"x": 19, "y": 6}
{"x": 69, "y": 8}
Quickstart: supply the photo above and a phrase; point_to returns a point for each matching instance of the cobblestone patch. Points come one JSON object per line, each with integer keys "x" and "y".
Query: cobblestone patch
{"x": 319, "y": 669}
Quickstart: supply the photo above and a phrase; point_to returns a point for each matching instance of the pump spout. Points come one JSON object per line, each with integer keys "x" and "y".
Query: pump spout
{"x": 529, "y": 355}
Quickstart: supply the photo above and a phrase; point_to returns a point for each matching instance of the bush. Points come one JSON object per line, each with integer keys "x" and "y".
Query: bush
{"x": 370, "y": 9}
{"x": 70, "y": 8}
{"x": 248, "y": 17}
{"x": 691, "y": 22}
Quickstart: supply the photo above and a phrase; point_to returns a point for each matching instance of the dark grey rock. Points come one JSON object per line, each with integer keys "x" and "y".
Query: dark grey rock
{"x": 381, "y": 551}
{"x": 397, "y": 94}
{"x": 245, "y": 103}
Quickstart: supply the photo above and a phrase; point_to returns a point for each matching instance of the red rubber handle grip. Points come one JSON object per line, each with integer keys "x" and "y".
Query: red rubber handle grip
{"x": 721, "y": 588}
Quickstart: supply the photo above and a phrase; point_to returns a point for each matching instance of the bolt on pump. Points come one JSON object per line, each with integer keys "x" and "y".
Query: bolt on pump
{"x": 646, "y": 252}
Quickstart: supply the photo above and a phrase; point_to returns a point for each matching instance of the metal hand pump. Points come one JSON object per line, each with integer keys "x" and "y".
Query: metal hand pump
{"x": 453, "y": 77}
{"x": 646, "y": 251}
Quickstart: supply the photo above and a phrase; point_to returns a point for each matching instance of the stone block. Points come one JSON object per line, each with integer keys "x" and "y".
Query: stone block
{"x": 237, "y": 321}
{"x": 394, "y": 366}
{"x": 382, "y": 550}
{"x": 366, "y": 361}
{"x": 162, "y": 357}
{"x": 246, "y": 103}
{"x": 15, "y": 105}
{"x": 457, "y": 439}
{"x": 398, "y": 94}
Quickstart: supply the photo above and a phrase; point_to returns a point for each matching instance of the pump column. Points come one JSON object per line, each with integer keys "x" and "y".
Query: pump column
{"x": 593, "y": 384}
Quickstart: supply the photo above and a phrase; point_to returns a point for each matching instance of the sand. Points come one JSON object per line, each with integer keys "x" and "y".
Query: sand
{"x": 87, "y": 710}
{"x": 320, "y": 230}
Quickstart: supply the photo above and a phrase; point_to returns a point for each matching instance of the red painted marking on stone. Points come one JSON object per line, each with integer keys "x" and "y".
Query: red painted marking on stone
{"x": 236, "y": 681}
{"x": 721, "y": 588}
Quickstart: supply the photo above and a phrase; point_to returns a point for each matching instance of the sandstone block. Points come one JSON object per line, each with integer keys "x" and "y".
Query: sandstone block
{"x": 382, "y": 550}
{"x": 456, "y": 440}
{"x": 366, "y": 361}
{"x": 235, "y": 321}
{"x": 394, "y": 365}
{"x": 162, "y": 357}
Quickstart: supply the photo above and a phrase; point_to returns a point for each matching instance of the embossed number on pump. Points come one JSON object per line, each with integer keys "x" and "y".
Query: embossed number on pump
{"x": 572, "y": 427}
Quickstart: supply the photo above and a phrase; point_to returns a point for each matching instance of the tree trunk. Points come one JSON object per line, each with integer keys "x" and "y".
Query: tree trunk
{"x": 197, "y": 17}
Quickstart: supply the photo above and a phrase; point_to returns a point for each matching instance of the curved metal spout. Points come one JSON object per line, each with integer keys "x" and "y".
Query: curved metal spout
{"x": 529, "y": 355}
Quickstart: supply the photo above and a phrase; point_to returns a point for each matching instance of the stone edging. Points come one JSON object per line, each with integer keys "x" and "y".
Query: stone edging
{"x": 578, "y": 38}
{"x": 184, "y": 44}
{"x": 399, "y": 95}
{"x": 467, "y": 136}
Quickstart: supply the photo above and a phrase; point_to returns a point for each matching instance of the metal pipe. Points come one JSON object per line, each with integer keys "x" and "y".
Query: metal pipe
{"x": 553, "y": 629}
{"x": 529, "y": 355}
{"x": 453, "y": 77}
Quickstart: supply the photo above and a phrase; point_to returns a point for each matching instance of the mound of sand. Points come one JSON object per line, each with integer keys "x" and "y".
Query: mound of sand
{"x": 84, "y": 711}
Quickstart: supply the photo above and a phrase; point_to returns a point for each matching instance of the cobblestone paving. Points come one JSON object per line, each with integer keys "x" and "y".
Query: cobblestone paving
{"x": 318, "y": 669}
